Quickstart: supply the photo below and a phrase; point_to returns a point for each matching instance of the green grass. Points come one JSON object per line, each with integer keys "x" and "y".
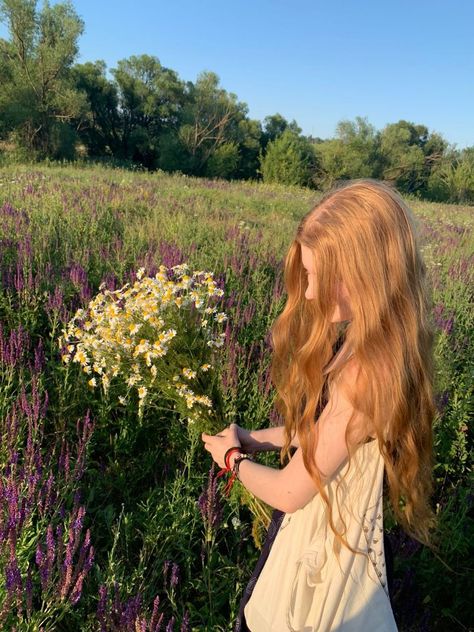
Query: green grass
{"x": 70, "y": 228}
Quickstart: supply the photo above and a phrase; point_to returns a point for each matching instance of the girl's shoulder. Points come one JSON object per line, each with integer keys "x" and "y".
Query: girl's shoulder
{"x": 350, "y": 383}
{"x": 349, "y": 378}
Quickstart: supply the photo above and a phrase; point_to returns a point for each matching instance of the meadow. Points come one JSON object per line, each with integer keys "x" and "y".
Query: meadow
{"x": 113, "y": 522}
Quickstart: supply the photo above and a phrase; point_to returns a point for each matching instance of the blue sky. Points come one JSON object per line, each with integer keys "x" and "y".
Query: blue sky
{"x": 317, "y": 62}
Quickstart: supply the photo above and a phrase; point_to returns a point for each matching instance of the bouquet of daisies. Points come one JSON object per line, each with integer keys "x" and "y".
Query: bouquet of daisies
{"x": 150, "y": 341}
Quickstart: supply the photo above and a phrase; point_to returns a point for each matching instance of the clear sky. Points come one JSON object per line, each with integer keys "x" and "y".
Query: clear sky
{"x": 317, "y": 62}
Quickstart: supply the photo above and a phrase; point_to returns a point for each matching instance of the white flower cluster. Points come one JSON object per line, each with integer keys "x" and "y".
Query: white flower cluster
{"x": 126, "y": 332}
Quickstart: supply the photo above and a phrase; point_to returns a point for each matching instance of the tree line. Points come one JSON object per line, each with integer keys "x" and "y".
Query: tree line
{"x": 54, "y": 108}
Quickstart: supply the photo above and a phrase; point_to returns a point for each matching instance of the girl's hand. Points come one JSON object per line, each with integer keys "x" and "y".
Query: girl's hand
{"x": 247, "y": 442}
{"x": 218, "y": 444}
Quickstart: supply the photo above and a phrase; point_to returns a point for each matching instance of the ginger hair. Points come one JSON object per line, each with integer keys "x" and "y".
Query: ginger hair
{"x": 363, "y": 233}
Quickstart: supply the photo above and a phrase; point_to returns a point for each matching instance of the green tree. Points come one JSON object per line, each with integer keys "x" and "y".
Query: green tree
{"x": 38, "y": 100}
{"x": 211, "y": 118}
{"x": 408, "y": 155}
{"x": 99, "y": 125}
{"x": 173, "y": 154}
{"x": 453, "y": 180}
{"x": 224, "y": 161}
{"x": 353, "y": 153}
{"x": 214, "y": 138}
{"x": 289, "y": 159}
{"x": 274, "y": 126}
{"x": 248, "y": 136}
{"x": 151, "y": 98}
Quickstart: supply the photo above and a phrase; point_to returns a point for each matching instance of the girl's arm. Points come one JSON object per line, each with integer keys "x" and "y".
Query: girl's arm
{"x": 264, "y": 439}
{"x": 292, "y": 487}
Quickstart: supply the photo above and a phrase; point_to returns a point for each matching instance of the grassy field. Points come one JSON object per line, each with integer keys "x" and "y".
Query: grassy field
{"x": 110, "y": 522}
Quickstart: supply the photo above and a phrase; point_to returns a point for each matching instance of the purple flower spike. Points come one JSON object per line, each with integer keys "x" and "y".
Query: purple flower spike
{"x": 210, "y": 502}
{"x": 185, "y": 622}
{"x": 55, "y": 301}
{"x": 29, "y": 592}
{"x": 77, "y": 590}
{"x": 39, "y": 555}
{"x": 170, "y": 254}
{"x": 102, "y": 605}
{"x": 174, "y": 575}
{"x": 50, "y": 549}
{"x": 39, "y": 357}
{"x": 13, "y": 349}
{"x": 166, "y": 567}
{"x": 160, "y": 622}
{"x": 13, "y": 581}
{"x": 155, "y": 613}
{"x": 443, "y": 318}
{"x": 110, "y": 281}
{"x": 77, "y": 274}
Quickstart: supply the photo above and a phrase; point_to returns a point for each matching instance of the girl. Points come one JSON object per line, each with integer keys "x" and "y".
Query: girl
{"x": 352, "y": 367}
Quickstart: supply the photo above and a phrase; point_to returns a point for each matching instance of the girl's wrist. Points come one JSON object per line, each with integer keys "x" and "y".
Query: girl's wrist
{"x": 228, "y": 456}
{"x": 237, "y": 462}
{"x": 233, "y": 456}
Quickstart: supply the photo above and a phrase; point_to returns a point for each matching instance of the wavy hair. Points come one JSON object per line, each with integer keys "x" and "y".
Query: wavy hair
{"x": 363, "y": 233}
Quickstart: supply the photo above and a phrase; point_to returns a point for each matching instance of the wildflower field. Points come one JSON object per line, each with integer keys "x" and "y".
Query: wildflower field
{"x": 111, "y": 515}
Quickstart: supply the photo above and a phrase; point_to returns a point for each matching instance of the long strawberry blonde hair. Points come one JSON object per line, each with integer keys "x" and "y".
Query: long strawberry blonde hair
{"x": 363, "y": 233}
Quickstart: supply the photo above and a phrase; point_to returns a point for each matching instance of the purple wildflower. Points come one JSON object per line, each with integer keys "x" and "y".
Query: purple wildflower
{"x": 13, "y": 581}
{"x": 170, "y": 254}
{"x": 185, "y": 622}
{"x": 174, "y": 575}
{"x": 50, "y": 549}
{"x": 29, "y": 591}
{"x": 102, "y": 607}
{"x": 55, "y": 301}
{"x": 210, "y": 502}
{"x": 166, "y": 567}
{"x": 154, "y": 615}
{"x": 444, "y": 319}
{"x": 39, "y": 360}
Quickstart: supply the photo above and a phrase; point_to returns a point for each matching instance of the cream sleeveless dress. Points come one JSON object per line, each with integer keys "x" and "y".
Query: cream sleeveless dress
{"x": 302, "y": 586}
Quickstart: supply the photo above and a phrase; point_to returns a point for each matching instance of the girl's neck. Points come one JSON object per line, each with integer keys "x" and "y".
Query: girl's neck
{"x": 341, "y": 351}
